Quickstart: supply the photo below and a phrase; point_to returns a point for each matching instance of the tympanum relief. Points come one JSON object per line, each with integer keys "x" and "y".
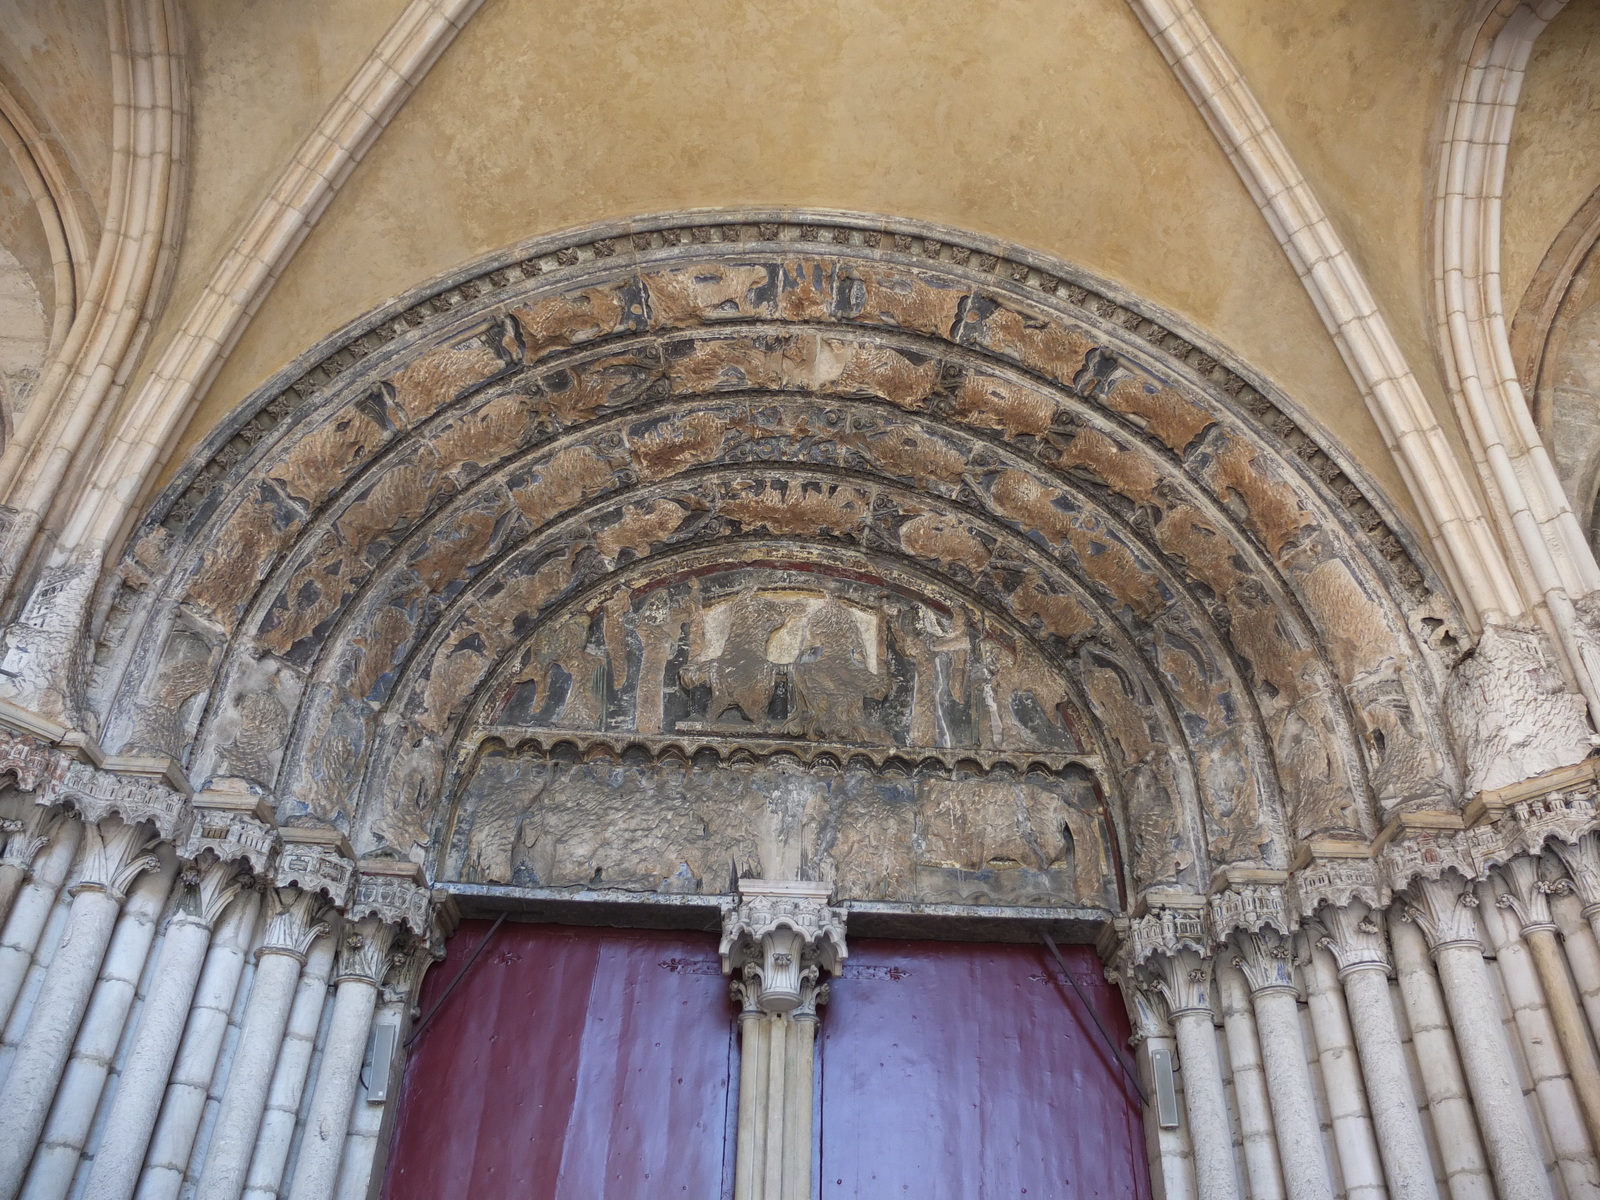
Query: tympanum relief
{"x": 788, "y": 721}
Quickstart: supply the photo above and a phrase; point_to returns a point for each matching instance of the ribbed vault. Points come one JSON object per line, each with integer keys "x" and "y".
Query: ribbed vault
{"x": 1169, "y": 585}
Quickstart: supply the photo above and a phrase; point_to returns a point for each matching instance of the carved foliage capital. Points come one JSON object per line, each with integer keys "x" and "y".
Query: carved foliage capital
{"x": 778, "y": 940}
{"x": 208, "y": 887}
{"x": 24, "y": 838}
{"x": 1354, "y": 936}
{"x": 1525, "y": 894}
{"x": 1182, "y": 979}
{"x": 368, "y": 951}
{"x": 294, "y": 921}
{"x": 116, "y": 853}
{"x": 1581, "y": 858}
{"x": 1267, "y": 960}
{"x": 1443, "y": 909}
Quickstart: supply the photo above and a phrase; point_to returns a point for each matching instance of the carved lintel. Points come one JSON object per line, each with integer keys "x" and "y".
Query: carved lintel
{"x": 208, "y": 888}
{"x": 97, "y": 794}
{"x": 392, "y": 892}
{"x": 116, "y": 852}
{"x": 1525, "y": 894}
{"x": 1266, "y": 957}
{"x": 1250, "y": 908}
{"x": 1355, "y": 937}
{"x": 779, "y": 939}
{"x": 367, "y": 953}
{"x": 295, "y": 919}
{"x": 316, "y": 860}
{"x": 1442, "y": 908}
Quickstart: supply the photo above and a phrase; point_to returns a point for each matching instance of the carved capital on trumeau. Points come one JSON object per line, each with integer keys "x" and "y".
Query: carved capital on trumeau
{"x": 96, "y": 794}
{"x": 392, "y": 892}
{"x": 316, "y": 860}
{"x": 778, "y": 940}
{"x": 207, "y": 888}
{"x": 1267, "y": 960}
{"x": 1248, "y": 908}
{"x": 1524, "y": 893}
{"x": 1443, "y": 909}
{"x": 115, "y": 854}
{"x": 294, "y": 921}
{"x": 367, "y": 952}
{"x": 1353, "y": 934}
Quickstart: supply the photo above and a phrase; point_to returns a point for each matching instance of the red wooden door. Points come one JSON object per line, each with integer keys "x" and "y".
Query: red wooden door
{"x": 966, "y": 1072}
{"x": 571, "y": 1064}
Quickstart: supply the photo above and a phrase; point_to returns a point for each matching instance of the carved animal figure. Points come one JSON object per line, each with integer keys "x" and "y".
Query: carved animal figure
{"x": 739, "y": 675}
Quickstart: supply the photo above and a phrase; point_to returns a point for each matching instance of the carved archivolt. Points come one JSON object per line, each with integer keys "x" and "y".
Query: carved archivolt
{"x": 691, "y": 493}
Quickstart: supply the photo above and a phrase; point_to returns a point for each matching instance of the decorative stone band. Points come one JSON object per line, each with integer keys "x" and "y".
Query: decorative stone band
{"x": 317, "y": 861}
{"x": 27, "y": 760}
{"x": 395, "y": 894}
{"x": 778, "y": 940}
{"x": 97, "y": 793}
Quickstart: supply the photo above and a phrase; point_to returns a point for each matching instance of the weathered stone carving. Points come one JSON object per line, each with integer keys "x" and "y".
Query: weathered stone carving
{"x": 316, "y": 862}
{"x": 96, "y": 794}
{"x": 394, "y": 894}
{"x": 778, "y": 940}
{"x": 1511, "y": 712}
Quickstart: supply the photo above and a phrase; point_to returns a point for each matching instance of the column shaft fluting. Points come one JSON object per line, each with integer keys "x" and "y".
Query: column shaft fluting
{"x": 322, "y": 1145}
{"x": 144, "y": 1076}
{"x": 1249, "y": 1087}
{"x": 1407, "y": 1165}
{"x": 181, "y": 1112}
{"x": 1502, "y": 1114}
{"x": 1206, "y": 1104}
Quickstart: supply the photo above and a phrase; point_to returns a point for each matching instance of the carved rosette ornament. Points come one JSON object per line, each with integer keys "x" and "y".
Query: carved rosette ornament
{"x": 777, "y": 943}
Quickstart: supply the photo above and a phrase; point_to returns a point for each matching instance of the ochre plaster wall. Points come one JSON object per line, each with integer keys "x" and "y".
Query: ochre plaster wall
{"x": 260, "y": 76}
{"x": 1554, "y": 160}
{"x": 1054, "y": 125}
{"x": 57, "y": 55}
{"x": 1356, "y": 90}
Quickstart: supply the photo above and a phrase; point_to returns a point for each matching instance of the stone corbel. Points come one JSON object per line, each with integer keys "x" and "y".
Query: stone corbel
{"x": 777, "y": 942}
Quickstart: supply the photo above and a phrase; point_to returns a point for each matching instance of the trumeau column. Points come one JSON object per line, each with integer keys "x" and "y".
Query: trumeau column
{"x": 776, "y": 944}
{"x": 1170, "y": 950}
{"x": 1527, "y": 896}
{"x": 391, "y": 902}
{"x": 1254, "y": 917}
{"x": 1442, "y": 908}
{"x": 230, "y": 843}
{"x": 123, "y": 821}
{"x": 312, "y": 869}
